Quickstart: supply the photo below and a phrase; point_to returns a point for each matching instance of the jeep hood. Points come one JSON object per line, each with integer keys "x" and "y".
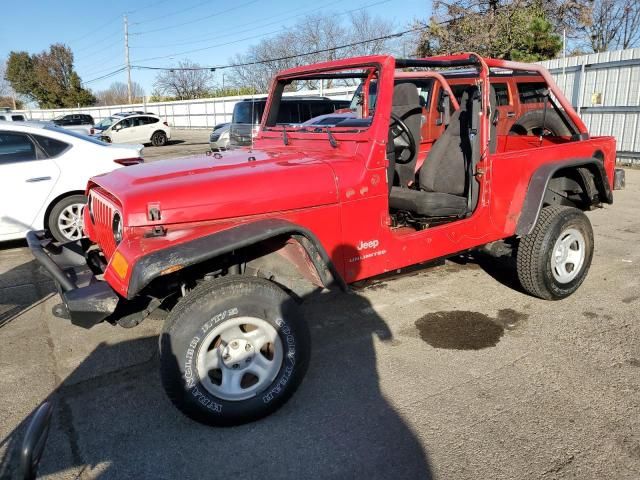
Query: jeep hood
{"x": 228, "y": 185}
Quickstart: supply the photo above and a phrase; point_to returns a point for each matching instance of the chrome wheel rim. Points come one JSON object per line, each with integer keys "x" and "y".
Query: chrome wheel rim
{"x": 568, "y": 255}
{"x": 70, "y": 221}
{"x": 239, "y": 358}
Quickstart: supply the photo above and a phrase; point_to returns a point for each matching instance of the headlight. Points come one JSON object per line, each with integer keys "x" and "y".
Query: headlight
{"x": 117, "y": 227}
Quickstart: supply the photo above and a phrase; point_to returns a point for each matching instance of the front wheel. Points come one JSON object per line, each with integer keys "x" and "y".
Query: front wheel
{"x": 553, "y": 260}
{"x": 233, "y": 350}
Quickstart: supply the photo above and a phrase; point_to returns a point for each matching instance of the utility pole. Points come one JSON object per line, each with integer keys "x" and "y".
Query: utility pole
{"x": 126, "y": 57}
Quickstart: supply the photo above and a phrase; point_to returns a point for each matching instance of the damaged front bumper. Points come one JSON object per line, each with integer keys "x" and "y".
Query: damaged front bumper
{"x": 86, "y": 300}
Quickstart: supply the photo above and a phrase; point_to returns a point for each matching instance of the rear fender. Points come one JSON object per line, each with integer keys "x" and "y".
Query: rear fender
{"x": 590, "y": 171}
{"x": 303, "y": 250}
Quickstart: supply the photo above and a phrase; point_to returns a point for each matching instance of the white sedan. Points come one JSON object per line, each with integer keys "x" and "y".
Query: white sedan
{"x": 43, "y": 175}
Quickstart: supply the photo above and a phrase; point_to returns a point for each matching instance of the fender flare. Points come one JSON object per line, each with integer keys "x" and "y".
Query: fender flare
{"x": 150, "y": 266}
{"x": 540, "y": 181}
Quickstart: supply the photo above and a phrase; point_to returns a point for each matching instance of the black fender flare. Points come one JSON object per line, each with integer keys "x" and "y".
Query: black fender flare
{"x": 151, "y": 266}
{"x": 540, "y": 181}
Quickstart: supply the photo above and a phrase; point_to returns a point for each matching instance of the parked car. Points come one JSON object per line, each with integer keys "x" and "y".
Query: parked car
{"x": 219, "y": 138}
{"x": 231, "y": 247}
{"x": 247, "y": 114}
{"x": 133, "y": 127}
{"x": 73, "y": 119}
{"x": 9, "y": 116}
{"x": 43, "y": 174}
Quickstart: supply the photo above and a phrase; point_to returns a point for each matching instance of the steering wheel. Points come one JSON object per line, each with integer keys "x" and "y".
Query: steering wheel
{"x": 404, "y": 132}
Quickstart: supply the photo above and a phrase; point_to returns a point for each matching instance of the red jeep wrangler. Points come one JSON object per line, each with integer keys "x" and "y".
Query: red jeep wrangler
{"x": 229, "y": 241}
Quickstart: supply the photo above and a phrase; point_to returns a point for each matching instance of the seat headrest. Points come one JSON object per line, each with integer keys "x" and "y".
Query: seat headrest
{"x": 405, "y": 94}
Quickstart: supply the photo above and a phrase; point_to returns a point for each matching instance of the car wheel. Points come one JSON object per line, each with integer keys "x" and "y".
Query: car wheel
{"x": 65, "y": 219}
{"x": 106, "y": 139}
{"x": 159, "y": 139}
{"x": 233, "y": 350}
{"x": 553, "y": 260}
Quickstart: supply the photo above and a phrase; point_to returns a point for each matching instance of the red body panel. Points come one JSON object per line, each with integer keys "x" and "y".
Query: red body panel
{"x": 340, "y": 194}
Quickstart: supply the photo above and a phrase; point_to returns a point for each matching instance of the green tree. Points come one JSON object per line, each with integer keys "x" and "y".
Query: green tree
{"x": 508, "y": 29}
{"x": 48, "y": 78}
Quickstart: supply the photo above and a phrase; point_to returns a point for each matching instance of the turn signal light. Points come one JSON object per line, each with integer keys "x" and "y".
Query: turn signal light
{"x": 119, "y": 265}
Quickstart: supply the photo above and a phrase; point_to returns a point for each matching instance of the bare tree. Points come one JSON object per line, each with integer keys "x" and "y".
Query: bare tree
{"x": 614, "y": 24}
{"x": 313, "y": 39}
{"x": 117, "y": 94}
{"x": 185, "y": 82}
{"x": 8, "y": 97}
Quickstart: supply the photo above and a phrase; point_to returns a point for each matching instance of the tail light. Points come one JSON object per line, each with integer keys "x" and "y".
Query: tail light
{"x": 165, "y": 124}
{"x": 92, "y": 131}
{"x": 129, "y": 161}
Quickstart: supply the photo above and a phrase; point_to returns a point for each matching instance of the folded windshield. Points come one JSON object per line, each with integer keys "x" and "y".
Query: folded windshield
{"x": 314, "y": 102}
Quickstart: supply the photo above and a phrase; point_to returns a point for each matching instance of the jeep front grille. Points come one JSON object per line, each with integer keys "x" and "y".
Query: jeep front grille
{"x": 102, "y": 210}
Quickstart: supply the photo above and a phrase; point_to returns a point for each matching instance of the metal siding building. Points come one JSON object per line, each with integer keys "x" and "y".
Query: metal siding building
{"x": 604, "y": 88}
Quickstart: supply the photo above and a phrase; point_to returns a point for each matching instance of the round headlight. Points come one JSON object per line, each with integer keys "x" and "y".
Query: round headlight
{"x": 117, "y": 227}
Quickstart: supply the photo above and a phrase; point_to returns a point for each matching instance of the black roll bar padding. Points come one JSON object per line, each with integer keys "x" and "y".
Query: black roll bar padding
{"x": 50, "y": 266}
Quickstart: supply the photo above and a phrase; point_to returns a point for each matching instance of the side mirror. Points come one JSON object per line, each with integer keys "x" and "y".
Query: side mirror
{"x": 35, "y": 440}
{"x": 117, "y": 127}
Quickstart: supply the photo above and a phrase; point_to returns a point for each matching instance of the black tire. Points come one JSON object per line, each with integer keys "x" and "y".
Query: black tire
{"x": 535, "y": 250}
{"x": 531, "y": 124}
{"x": 106, "y": 139}
{"x": 159, "y": 139}
{"x": 57, "y": 210}
{"x": 198, "y": 315}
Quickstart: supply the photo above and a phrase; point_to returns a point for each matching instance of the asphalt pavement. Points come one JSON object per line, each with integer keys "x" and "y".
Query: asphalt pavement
{"x": 449, "y": 372}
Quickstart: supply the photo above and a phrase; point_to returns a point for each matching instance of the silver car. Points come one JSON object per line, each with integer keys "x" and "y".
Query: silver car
{"x": 219, "y": 138}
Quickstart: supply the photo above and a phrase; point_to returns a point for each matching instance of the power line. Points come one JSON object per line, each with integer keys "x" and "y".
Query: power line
{"x": 93, "y": 31}
{"x": 258, "y": 62}
{"x": 197, "y": 20}
{"x": 279, "y": 17}
{"x": 279, "y": 21}
{"x": 111, "y": 74}
{"x": 176, "y": 12}
{"x": 288, "y": 57}
{"x": 246, "y": 38}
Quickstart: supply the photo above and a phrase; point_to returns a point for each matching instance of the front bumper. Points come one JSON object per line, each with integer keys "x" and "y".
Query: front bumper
{"x": 86, "y": 300}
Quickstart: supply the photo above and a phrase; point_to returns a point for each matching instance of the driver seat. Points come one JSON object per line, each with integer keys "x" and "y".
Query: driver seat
{"x": 443, "y": 177}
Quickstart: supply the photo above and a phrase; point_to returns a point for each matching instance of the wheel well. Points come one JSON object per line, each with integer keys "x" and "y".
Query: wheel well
{"x": 53, "y": 202}
{"x": 159, "y": 131}
{"x": 285, "y": 260}
{"x": 577, "y": 186}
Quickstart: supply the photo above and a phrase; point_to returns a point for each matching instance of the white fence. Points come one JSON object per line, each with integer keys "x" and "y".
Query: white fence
{"x": 604, "y": 88}
{"x": 200, "y": 113}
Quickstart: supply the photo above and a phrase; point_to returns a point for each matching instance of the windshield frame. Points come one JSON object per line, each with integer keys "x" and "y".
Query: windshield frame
{"x": 382, "y": 66}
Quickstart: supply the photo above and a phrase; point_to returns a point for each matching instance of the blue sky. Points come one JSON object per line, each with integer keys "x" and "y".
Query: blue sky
{"x": 163, "y": 32}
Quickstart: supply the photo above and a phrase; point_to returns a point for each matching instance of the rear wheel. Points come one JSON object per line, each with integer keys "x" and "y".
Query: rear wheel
{"x": 158, "y": 139}
{"x": 553, "y": 260}
{"x": 233, "y": 350}
{"x": 65, "y": 219}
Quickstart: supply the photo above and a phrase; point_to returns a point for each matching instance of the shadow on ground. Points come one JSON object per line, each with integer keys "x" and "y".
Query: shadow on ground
{"x": 22, "y": 287}
{"x": 338, "y": 424}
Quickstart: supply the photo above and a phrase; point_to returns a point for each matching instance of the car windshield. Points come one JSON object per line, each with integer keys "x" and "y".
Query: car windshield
{"x": 248, "y": 112}
{"x": 304, "y": 104}
{"x": 106, "y": 122}
{"x": 74, "y": 134}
